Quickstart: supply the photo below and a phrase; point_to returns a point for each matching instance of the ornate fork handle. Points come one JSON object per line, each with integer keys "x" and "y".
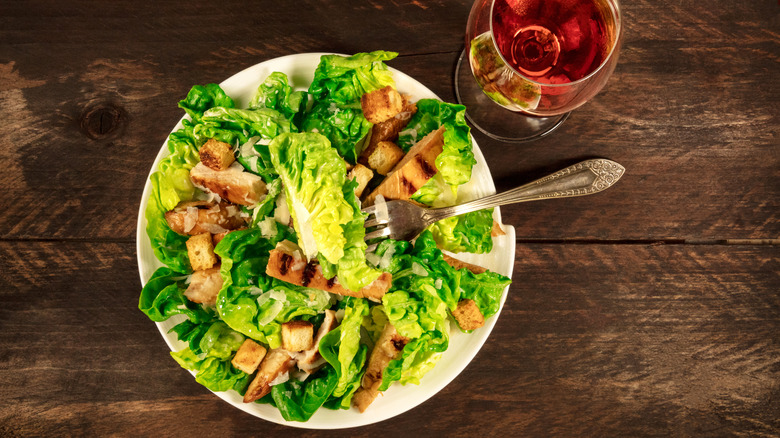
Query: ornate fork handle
{"x": 584, "y": 178}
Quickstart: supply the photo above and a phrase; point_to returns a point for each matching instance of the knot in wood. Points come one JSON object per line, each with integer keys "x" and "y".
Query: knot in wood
{"x": 101, "y": 121}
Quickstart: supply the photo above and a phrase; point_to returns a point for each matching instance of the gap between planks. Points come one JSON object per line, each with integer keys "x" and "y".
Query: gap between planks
{"x": 524, "y": 241}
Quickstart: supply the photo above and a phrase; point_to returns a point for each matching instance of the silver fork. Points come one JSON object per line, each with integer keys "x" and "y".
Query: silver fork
{"x": 404, "y": 220}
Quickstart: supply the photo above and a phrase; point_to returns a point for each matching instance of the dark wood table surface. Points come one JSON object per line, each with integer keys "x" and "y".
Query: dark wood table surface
{"x": 652, "y": 309}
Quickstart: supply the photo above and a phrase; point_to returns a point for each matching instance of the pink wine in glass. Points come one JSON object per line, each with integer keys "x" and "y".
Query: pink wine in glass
{"x": 552, "y": 41}
{"x": 543, "y": 57}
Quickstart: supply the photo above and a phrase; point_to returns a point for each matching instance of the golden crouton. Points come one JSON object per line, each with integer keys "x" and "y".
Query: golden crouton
{"x": 200, "y": 250}
{"x": 217, "y": 155}
{"x": 387, "y": 347}
{"x": 204, "y": 286}
{"x": 467, "y": 315}
{"x": 460, "y": 264}
{"x": 413, "y": 171}
{"x": 276, "y": 363}
{"x": 297, "y": 335}
{"x": 363, "y": 175}
{"x": 248, "y": 356}
{"x": 389, "y": 129}
{"x": 380, "y": 105}
{"x": 384, "y": 157}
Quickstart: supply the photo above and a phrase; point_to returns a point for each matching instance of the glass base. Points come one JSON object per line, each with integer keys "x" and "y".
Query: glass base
{"x": 494, "y": 120}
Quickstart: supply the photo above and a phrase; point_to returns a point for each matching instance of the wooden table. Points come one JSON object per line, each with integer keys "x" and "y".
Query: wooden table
{"x": 652, "y": 309}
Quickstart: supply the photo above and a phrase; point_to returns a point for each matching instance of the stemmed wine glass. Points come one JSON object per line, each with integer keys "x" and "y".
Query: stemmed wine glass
{"x": 528, "y": 63}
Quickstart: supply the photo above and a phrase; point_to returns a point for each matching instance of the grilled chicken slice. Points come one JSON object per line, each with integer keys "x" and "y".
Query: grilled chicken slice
{"x": 287, "y": 263}
{"x": 276, "y": 363}
{"x": 204, "y": 286}
{"x": 387, "y": 347}
{"x": 233, "y": 183}
{"x": 413, "y": 171}
{"x": 198, "y": 217}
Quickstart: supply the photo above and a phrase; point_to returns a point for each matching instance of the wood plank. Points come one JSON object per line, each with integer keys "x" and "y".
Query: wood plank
{"x": 594, "y": 339}
{"x": 691, "y": 115}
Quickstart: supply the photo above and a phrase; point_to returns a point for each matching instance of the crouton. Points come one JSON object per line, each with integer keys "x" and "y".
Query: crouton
{"x": 413, "y": 171}
{"x": 248, "y": 356}
{"x": 191, "y": 218}
{"x": 276, "y": 363}
{"x": 467, "y": 315}
{"x": 297, "y": 335}
{"x": 363, "y": 175}
{"x": 287, "y": 263}
{"x": 384, "y": 157}
{"x": 380, "y": 105}
{"x": 388, "y": 130}
{"x": 459, "y": 264}
{"x": 233, "y": 183}
{"x": 387, "y": 347}
{"x": 311, "y": 360}
{"x": 216, "y": 155}
{"x": 200, "y": 251}
{"x": 204, "y": 286}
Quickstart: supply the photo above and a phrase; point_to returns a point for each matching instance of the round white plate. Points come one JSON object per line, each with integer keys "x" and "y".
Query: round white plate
{"x": 463, "y": 347}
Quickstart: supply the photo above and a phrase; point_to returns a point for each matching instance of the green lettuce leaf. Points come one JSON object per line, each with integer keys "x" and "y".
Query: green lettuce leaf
{"x": 202, "y": 97}
{"x": 345, "y": 79}
{"x": 249, "y": 130}
{"x": 338, "y": 84}
{"x": 457, "y": 158}
{"x": 342, "y": 349}
{"x": 163, "y": 297}
{"x": 470, "y": 232}
{"x": 171, "y": 183}
{"x": 297, "y": 401}
{"x": 322, "y": 202}
{"x": 276, "y": 93}
{"x": 211, "y": 348}
{"x": 250, "y": 301}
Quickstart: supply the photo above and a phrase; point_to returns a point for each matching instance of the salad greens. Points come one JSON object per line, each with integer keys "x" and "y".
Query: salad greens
{"x": 299, "y": 143}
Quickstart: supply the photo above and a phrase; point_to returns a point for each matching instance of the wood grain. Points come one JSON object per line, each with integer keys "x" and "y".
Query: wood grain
{"x": 691, "y": 114}
{"x": 651, "y": 309}
{"x": 660, "y": 340}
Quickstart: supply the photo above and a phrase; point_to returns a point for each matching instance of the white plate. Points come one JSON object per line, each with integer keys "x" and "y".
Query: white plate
{"x": 462, "y": 349}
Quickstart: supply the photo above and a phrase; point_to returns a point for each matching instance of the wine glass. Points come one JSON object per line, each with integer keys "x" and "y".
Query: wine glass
{"x": 531, "y": 62}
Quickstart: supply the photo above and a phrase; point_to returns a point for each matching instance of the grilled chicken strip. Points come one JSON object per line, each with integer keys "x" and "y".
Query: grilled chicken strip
{"x": 287, "y": 263}
{"x": 198, "y": 217}
{"x": 233, "y": 183}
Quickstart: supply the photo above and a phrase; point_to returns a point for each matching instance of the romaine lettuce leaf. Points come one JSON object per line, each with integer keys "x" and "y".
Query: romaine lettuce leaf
{"x": 171, "y": 183}
{"x": 163, "y": 297}
{"x": 276, "y": 93}
{"x": 211, "y": 347}
{"x": 202, "y": 97}
{"x": 342, "y": 349}
{"x": 297, "y": 401}
{"x": 470, "y": 232}
{"x": 457, "y": 158}
{"x": 338, "y": 84}
{"x": 345, "y": 79}
{"x": 322, "y": 202}
{"x": 250, "y": 301}
{"x": 241, "y": 126}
